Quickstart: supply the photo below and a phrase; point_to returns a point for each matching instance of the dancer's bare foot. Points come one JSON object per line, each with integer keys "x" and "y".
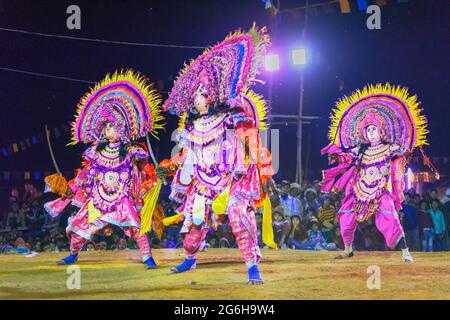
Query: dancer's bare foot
{"x": 407, "y": 257}
{"x": 347, "y": 253}
{"x": 343, "y": 256}
{"x": 255, "y": 282}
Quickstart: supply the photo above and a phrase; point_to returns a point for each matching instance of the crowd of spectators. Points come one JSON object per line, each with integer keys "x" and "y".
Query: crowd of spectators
{"x": 302, "y": 218}
{"x": 305, "y": 218}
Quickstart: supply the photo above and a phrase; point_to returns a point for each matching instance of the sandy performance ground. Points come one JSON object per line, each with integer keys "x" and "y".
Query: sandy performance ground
{"x": 221, "y": 274}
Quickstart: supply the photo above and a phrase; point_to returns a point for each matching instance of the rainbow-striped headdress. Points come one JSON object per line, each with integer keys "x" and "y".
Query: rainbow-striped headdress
{"x": 391, "y": 106}
{"x": 123, "y": 99}
{"x": 226, "y": 71}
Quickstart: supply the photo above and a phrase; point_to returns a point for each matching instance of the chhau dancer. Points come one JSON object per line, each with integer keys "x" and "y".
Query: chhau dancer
{"x": 109, "y": 187}
{"x": 223, "y": 167}
{"x": 372, "y": 134}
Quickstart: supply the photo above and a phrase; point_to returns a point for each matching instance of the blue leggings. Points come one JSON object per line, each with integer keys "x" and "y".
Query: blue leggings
{"x": 308, "y": 245}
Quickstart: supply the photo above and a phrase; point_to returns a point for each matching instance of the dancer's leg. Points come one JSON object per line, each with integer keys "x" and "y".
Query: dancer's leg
{"x": 77, "y": 243}
{"x": 191, "y": 244}
{"x": 243, "y": 225}
{"x": 388, "y": 223}
{"x": 348, "y": 223}
{"x": 144, "y": 246}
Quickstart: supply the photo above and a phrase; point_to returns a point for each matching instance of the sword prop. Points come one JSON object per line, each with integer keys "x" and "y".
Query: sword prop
{"x": 50, "y": 149}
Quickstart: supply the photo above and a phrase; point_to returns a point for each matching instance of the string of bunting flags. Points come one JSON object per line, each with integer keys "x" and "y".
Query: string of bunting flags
{"x": 328, "y": 7}
{"x": 25, "y": 144}
{"x": 29, "y": 175}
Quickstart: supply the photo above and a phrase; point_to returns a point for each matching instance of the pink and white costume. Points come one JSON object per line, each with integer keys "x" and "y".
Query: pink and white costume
{"x": 108, "y": 188}
{"x": 374, "y": 187}
{"x": 215, "y": 160}
{"x": 223, "y": 160}
{"x": 372, "y": 174}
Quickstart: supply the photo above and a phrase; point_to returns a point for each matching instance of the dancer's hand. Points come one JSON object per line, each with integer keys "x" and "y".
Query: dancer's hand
{"x": 270, "y": 188}
{"x": 161, "y": 172}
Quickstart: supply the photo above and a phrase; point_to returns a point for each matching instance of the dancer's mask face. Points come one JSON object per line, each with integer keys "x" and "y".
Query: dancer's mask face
{"x": 200, "y": 98}
{"x": 110, "y": 132}
{"x": 373, "y": 134}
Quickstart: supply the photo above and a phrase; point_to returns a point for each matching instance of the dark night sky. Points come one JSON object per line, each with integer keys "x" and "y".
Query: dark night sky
{"x": 411, "y": 49}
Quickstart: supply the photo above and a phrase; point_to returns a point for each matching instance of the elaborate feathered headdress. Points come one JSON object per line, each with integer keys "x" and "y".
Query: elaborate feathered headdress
{"x": 388, "y": 106}
{"x": 123, "y": 99}
{"x": 226, "y": 71}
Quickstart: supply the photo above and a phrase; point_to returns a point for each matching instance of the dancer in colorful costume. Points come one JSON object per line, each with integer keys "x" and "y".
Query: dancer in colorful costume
{"x": 372, "y": 134}
{"x": 222, "y": 167}
{"x": 115, "y": 177}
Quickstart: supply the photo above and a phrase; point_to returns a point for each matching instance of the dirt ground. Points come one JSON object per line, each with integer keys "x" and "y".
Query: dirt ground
{"x": 221, "y": 274}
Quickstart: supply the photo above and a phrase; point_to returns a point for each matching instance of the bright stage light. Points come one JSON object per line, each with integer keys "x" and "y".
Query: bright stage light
{"x": 272, "y": 62}
{"x": 298, "y": 57}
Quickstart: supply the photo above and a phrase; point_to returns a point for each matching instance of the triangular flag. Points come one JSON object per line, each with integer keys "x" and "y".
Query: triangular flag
{"x": 362, "y": 5}
{"x": 37, "y": 175}
{"x": 345, "y": 6}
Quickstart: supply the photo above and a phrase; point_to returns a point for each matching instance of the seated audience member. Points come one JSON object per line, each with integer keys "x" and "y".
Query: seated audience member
{"x": 281, "y": 226}
{"x": 336, "y": 238}
{"x": 309, "y": 203}
{"x": 289, "y": 199}
{"x": 327, "y": 216}
{"x": 15, "y": 219}
{"x": 285, "y": 198}
{"x": 90, "y": 246}
{"x": 315, "y": 235}
{"x": 225, "y": 234}
{"x": 297, "y": 236}
{"x": 34, "y": 216}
